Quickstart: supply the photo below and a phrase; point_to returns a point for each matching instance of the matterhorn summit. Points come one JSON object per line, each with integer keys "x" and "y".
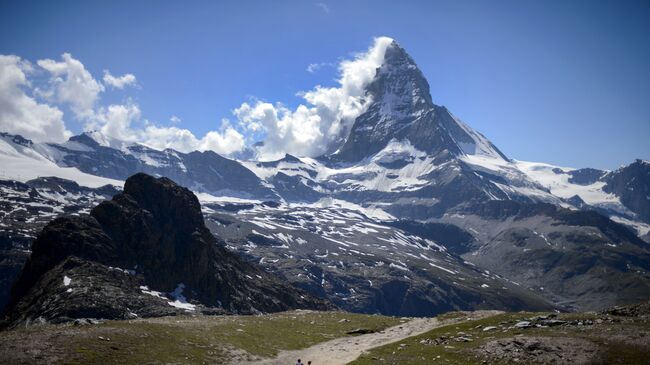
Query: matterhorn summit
{"x": 401, "y": 108}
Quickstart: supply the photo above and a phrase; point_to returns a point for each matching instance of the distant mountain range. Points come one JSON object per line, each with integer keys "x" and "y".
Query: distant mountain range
{"x": 414, "y": 213}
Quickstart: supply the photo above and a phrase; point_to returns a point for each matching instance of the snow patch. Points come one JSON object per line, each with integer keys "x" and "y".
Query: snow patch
{"x": 179, "y": 299}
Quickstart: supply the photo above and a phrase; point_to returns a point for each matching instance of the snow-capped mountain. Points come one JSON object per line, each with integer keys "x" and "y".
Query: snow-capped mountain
{"x": 415, "y": 212}
{"x": 402, "y": 109}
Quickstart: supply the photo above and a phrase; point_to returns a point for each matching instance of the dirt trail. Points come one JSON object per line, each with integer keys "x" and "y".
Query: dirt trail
{"x": 346, "y": 349}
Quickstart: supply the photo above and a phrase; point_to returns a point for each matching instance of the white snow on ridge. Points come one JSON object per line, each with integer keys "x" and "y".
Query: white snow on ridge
{"x": 481, "y": 145}
{"x": 288, "y": 168}
{"x": 23, "y": 164}
{"x": 519, "y": 183}
{"x": 397, "y": 150}
{"x": 640, "y": 227}
{"x": 370, "y": 212}
{"x": 106, "y": 141}
{"x": 209, "y": 198}
{"x": 367, "y": 174}
{"x": 533, "y": 179}
{"x": 559, "y": 185}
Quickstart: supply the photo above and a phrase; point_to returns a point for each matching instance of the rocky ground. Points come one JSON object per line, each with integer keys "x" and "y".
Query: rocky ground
{"x": 617, "y": 336}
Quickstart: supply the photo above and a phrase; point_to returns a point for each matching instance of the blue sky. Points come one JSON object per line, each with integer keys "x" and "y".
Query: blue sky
{"x": 565, "y": 82}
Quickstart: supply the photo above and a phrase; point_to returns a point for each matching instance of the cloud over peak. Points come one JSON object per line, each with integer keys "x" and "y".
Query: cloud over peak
{"x": 321, "y": 124}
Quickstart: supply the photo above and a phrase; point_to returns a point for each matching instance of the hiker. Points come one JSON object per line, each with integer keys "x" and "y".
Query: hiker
{"x": 300, "y": 362}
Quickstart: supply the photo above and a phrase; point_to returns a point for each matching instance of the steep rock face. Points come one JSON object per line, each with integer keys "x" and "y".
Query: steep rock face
{"x": 155, "y": 229}
{"x": 632, "y": 184}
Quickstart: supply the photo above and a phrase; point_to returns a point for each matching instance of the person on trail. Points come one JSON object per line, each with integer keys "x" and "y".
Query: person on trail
{"x": 300, "y": 362}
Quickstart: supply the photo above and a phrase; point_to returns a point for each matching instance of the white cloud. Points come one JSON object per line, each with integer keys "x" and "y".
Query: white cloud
{"x": 119, "y": 121}
{"x": 175, "y": 120}
{"x": 71, "y": 83}
{"x": 115, "y": 121}
{"x": 118, "y": 82}
{"x": 319, "y": 126}
{"x": 226, "y": 141}
{"x": 21, "y": 113}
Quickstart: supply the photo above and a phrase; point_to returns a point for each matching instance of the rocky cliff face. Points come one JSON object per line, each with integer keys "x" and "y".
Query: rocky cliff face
{"x": 119, "y": 261}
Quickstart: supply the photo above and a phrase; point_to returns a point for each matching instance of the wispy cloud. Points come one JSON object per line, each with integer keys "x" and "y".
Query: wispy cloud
{"x": 324, "y": 7}
{"x": 314, "y": 67}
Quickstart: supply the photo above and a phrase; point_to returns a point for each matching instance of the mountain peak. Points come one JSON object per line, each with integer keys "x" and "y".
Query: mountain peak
{"x": 401, "y": 108}
{"x": 96, "y": 138}
{"x": 395, "y": 55}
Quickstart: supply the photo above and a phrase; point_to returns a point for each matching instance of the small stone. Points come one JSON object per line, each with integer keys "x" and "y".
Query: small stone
{"x": 522, "y": 324}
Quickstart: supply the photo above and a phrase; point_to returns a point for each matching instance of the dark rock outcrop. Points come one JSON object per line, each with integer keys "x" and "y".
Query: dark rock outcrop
{"x": 151, "y": 234}
{"x": 25, "y": 208}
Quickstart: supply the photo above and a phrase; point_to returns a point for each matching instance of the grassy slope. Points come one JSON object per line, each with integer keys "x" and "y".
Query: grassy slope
{"x": 625, "y": 342}
{"x": 210, "y": 339}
